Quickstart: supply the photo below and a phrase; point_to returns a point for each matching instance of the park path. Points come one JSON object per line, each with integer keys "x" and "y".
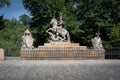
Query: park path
{"x": 60, "y": 70}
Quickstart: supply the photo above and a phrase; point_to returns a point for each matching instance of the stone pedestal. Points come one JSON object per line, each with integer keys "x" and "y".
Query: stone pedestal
{"x": 61, "y": 51}
{"x": 1, "y": 54}
{"x": 61, "y": 44}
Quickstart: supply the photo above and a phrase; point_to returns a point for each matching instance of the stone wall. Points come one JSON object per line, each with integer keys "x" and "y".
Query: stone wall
{"x": 61, "y": 54}
{"x": 61, "y": 51}
{"x": 1, "y": 54}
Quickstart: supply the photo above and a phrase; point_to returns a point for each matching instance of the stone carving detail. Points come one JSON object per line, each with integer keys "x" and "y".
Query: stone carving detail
{"x": 96, "y": 42}
{"x": 27, "y": 40}
{"x": 58, "y": 32}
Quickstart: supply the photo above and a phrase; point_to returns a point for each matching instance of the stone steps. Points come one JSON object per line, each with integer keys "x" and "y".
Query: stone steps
{"x": 61, "y": 44}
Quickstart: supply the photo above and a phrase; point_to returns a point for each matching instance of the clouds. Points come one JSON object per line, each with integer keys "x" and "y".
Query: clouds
{"x": 14, "y": 11}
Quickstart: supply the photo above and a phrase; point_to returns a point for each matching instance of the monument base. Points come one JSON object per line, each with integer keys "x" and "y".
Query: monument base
{"x": 61, "y": 51}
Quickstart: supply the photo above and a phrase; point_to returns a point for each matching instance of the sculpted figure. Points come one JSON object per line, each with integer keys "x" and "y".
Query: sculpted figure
{"x": 54, "y": 37}
{"x": 54, "y": 23}
{"x": 52, "y": 32}
{"x": 57, "y": 32}
{"x": 96, "y": 42}
{"x": 27, "y": 40}
{"x": 62, "y": 31}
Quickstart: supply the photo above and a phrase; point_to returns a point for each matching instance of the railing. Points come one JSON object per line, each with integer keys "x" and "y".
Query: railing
{"x": 13, "y": 53}
{"x": 112, "y": 53}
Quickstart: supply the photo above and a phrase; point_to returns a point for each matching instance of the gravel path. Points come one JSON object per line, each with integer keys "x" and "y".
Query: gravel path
{"x": 60, "y": 70}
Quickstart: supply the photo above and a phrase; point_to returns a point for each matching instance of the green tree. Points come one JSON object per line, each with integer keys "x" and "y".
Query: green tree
{"x": 11, "y": 34}
{"x": 83, "y": 18}
{"x": 115, "y": 36}
{"x": 98, "y": 15}
{"x": 4, "y": 3}
{"x": 44, "y": 10}
{"x": 25, "y": 19}
{"x": 1, "y": 23}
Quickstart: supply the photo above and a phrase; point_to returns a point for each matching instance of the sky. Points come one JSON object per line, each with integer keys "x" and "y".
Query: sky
{"x": 15, "y": 10}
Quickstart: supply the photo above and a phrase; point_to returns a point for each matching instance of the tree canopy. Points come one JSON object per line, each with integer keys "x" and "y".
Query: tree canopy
{"x": 44, "y": 10}
{"x": 99, "y": 15}
{"x": 11, "y": 34}
{"x": 83, "y": 18}
{"x": 1, "y": 23}
{"x": 25, "y": 19}
{"x": 4, "y": 3}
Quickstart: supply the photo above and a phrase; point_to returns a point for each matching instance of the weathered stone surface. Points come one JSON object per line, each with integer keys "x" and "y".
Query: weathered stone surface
{"x": 60, "y": 70}
{"x": 97, "y": 42}
{"x": 27, "y": 42}
{"x": 1, "y": 54}
{"x": 61, "y": 51}
{"x": 62, "y": 44}
{"x": 58, "y": 33}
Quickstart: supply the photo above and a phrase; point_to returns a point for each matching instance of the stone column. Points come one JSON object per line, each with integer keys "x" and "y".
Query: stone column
{"x": 1, "y": 54}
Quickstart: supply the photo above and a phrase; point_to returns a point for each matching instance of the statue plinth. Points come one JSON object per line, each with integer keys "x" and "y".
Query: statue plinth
{"x": 61, "y": 51}
{"x": 61, "y": 44}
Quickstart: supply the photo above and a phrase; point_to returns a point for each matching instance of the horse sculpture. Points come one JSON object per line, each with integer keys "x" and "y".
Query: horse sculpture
{"x": 61, "y": 34}
{"x": 64, "y": 34}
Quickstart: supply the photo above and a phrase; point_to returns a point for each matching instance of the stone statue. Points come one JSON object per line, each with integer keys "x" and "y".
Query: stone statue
{"x": 96, "y": 42}
{"x": 61, "y": 23}
{"x": 52, "y": 32}
{"x": 54, "y": 22}
{"x": 62, "y": 31}
{"x": 54, "y": 37}
{"x": 57, "y": 32}
{"x": 27, "y": 40}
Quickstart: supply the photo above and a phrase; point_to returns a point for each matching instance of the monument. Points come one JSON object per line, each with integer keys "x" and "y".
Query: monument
{"x": 27, "y": 40}
{"x": 58, "y": 33}
{"x": 97, "y": 42}
{"x": 60, "y": 47}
